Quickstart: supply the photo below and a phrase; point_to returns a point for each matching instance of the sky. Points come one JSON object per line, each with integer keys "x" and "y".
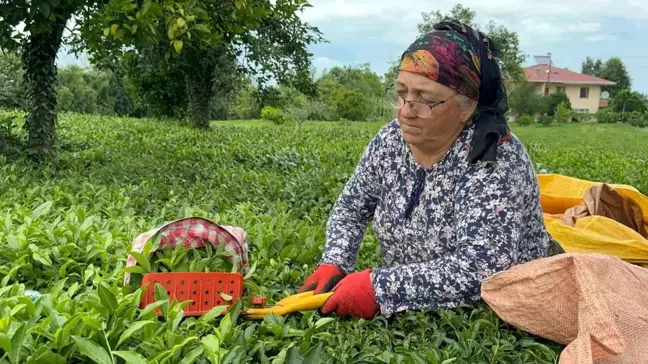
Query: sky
{"x": 378, "y": 31}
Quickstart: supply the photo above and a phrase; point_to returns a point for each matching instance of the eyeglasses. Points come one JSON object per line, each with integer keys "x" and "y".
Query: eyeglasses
{"x": 422, "y": 109}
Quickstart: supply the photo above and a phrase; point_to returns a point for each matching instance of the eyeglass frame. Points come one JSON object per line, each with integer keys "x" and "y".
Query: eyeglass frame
{"x": 430, "y": 106}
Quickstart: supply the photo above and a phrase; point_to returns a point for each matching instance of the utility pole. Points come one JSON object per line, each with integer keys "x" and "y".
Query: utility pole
{"x": 549, "y": 73}
{"x": 545, "y": 59}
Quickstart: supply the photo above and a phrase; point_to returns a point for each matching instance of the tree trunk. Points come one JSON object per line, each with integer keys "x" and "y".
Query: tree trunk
{"x": 39, "y": 57}
{"x": 199, "y": 77}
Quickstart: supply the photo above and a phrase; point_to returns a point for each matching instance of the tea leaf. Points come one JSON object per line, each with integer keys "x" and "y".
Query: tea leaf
{"x": 192, "y": 355}
{"x": 16, "y": 343}
{"x": 108, "y": 298}
{"x": 142, "y": 260}
{"x": 225, "y": 325}
{"x": 92, "y": 350}
{"x": 314, "y": 355}
{"x": 213, "y": 313}
{"x": 133, "y": 328}
{"x": 323, "y": 321}
{"x": 131, "y": 357}
{"x": 152, "y": 306}
{"x": 5, "y": 342}
{"x": 39, "y": 211}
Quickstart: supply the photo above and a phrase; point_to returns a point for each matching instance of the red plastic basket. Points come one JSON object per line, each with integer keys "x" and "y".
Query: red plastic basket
{"x": 203, "y": 289}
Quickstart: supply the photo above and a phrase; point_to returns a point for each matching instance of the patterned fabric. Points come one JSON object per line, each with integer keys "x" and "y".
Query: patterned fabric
{"x": 472, "y": 221}
{"x": 447, "y": 58}
{"x": 192, "y": 232}
{"x": 465, "y": 59}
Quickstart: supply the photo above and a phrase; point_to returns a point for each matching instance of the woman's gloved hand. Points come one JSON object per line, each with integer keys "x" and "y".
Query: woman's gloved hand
{"x": 353, "y": 296}
{"x": 325, "y": 277}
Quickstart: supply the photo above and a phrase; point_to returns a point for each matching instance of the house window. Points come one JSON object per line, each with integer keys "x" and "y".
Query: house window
{"x": 584, "y": 93}
{"x": 560, "y": 90}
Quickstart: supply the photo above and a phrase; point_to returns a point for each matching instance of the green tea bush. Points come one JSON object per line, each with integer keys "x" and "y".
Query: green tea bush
{"x": 274, "y": 115}
{"x": 66, "y": 228}
{"x": 525, "y": 120}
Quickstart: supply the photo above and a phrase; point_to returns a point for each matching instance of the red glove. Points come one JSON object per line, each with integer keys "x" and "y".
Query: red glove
{"x": 353, "y": 296}
{"x": 325, "y": 277}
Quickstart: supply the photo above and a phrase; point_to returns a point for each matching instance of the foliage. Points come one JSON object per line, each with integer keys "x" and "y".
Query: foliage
{"x": 274, "y": 115}
{"x": 612, "y": 69}
{"x": 204, "y": 39}
{"x": 245, "y": 105}
{"x": 35, "y": 28}
{"x": 350, "y": 104}
{"x": 607, "y": 116}
{"x": 320, "y": 110}
{"x": 563, "y": 113}
{"x": 66, "y": 229}
{"x": 592, "y": 67}
{"x": 509, "y": 42}
{"x": 629, "y": 101}
{"x": 525, "y": 120}
{"x": 525, "y": 99}
{"x": 359, "y": 78}
{"x": 12, "y": 89}
{"x": 556, "y": 99}
{"x": 157, "y": 88}
{"x": 91, "y": 91}
{"x": 638, "y": 119}
{"x": 583, "y": 117}
{"x": 353, "y": 93}
{"x": 546, "y": 120}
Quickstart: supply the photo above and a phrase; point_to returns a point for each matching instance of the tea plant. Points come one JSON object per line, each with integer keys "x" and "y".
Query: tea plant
{"x": 66, "y": 228}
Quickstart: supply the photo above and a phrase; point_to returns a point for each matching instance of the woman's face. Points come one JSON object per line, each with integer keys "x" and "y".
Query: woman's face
{"x": 445, "y": 121}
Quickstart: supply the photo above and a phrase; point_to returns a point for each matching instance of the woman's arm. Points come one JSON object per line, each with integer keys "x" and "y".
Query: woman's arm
{"x": 354, "y": 209}
{"x": 489, "y": 209}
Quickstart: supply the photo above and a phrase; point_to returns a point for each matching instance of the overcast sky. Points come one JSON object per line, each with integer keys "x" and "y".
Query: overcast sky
{"x": 377, "y": 31}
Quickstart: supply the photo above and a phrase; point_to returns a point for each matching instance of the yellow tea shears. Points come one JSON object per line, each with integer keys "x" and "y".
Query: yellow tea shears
{"x": 294, "y": 303}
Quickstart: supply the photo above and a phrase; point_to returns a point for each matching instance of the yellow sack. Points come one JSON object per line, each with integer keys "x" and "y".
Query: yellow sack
{"x": 591, "y": 234}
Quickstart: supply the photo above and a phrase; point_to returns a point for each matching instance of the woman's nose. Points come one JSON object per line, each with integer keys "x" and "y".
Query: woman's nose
{"x": 406, "y": 111}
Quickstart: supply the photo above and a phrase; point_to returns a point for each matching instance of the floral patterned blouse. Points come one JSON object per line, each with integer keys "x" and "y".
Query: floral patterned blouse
{"x": 471, "y": 221}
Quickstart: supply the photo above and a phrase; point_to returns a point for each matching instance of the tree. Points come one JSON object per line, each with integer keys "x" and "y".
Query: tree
{"x": 612, "y": 69}
{"x": 563, "y": 113}
{"x": 509, "y": 42}
{"x": 201, "y": 37}
{"x": 12, "y": 89}
{"x": 359, "y": 78}
{"x": 615, "y": 70}
{"x": 592, "y": 67}
{"x": 39, "y": 41}
{"x": 526, "y": 100}
{"x": 392, "y": 73}
{"x": 363, "y": 88}
{"x": 629, "y": 101}
{"x": 556, "y": 99}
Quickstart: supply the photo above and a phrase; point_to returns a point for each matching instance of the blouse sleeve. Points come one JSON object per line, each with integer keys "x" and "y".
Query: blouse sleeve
{"x": 488, "y": 216}
{"x": 353, "y": 210}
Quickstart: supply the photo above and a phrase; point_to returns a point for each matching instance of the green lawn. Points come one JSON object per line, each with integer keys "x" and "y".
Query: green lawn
{"x": 115, "y": 178}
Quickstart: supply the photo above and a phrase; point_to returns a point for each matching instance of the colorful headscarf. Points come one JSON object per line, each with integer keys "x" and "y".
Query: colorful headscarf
{"x": 447, "y": 58}
{"x": 464, "y": 59}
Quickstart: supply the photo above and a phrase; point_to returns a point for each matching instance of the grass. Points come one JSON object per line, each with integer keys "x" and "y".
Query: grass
{"x": 66, "y": 228}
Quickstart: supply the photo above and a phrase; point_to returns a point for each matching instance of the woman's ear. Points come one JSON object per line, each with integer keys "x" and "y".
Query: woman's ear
{"x": 468, "y": 107}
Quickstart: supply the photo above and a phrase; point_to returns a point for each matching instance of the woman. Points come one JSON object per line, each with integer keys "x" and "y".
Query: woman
{"x": 452, "y": 193}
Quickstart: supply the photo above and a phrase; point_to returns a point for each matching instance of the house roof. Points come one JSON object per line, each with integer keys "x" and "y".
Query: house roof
{"x": 538, "y": 73}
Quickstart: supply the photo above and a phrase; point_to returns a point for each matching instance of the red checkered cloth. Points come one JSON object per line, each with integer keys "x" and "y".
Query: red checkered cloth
{"x": 192, "y": 232}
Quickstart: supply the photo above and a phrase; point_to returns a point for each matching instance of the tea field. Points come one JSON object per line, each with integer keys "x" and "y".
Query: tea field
{"x": 66, "y": 229}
